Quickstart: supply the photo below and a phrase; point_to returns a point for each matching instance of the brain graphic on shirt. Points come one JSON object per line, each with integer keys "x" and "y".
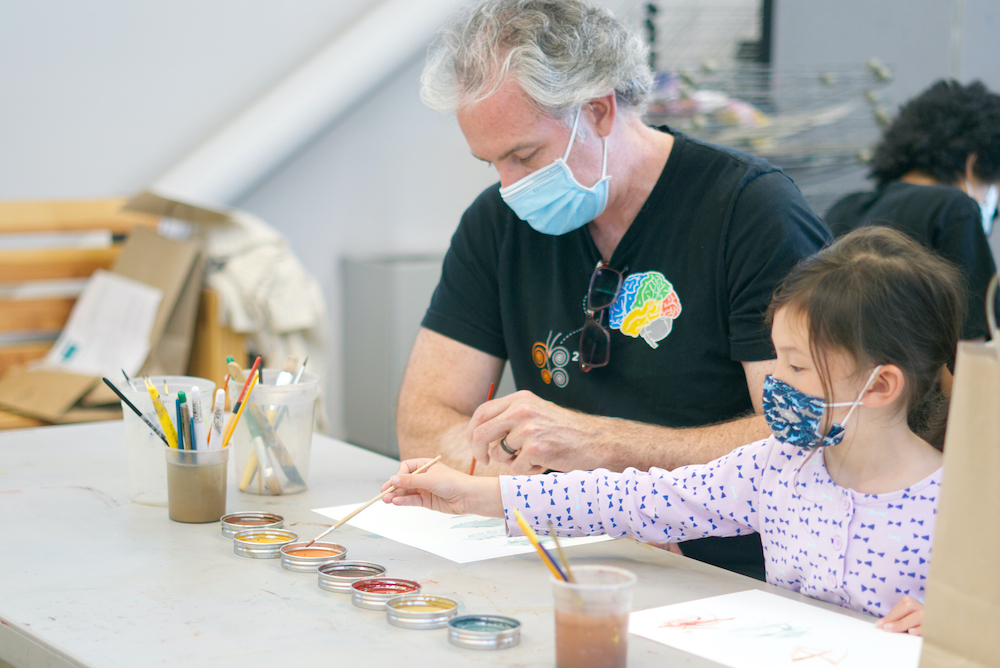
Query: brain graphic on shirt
{"x": 646, "y": 306}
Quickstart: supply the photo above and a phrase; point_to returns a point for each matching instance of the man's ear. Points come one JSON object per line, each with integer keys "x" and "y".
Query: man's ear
{"x": 887, "y": 386}
{"x": 603, "y": 111}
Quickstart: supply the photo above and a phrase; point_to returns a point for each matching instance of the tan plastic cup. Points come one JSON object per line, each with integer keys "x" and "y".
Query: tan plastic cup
{"x": 592, "y": 617}
{"x": 273, "y": 438}
{"x": 147, "y": 476}
{"x": 196, "y": 484}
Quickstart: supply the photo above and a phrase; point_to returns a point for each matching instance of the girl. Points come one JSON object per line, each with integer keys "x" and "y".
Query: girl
{"x": 844, "y": 491}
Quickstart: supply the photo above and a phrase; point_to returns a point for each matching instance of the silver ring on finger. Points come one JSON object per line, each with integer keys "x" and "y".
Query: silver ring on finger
{"x": 503, "y": 445}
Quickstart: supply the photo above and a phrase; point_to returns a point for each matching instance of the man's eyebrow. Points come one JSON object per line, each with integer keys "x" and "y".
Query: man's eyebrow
{"x": 519, "y": 147}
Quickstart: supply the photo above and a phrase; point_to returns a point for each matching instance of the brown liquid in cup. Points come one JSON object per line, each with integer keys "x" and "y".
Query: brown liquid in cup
{"x": 583, "y": 641}
{"x": 196, "y": 494}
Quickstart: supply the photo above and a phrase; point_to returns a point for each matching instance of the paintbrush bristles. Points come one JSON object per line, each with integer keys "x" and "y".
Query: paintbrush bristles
{"x": 378, "y": 497}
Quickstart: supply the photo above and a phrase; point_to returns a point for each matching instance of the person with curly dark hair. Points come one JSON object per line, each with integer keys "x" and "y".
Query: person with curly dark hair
{"x": 937, "y": 169}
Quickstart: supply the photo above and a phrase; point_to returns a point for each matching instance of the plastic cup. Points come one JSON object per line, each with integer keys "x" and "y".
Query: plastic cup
{"x": 592, "y": 617}
{"x": 147, "y": 476}
{"x": 273, "y": 438}
{"x": 196, "y": 484}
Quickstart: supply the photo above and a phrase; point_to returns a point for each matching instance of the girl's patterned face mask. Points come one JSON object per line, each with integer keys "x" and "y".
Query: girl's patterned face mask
{"x": 796, "y": 417}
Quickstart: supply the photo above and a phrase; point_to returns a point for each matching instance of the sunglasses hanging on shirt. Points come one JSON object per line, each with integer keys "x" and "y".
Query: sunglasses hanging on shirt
{"x": 595, "y": 339}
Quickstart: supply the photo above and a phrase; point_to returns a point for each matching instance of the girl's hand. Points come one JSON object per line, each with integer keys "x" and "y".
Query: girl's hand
{"x": 444, "y": 489}
{"x": 905, "y": 616}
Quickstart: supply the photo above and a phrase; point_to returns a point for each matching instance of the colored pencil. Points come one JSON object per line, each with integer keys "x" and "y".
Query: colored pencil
{"x": 489, "y": 397}
{"x": 357, "y": 510}
{"x": 533, "y": 537}
{"x": 236, "y": 419}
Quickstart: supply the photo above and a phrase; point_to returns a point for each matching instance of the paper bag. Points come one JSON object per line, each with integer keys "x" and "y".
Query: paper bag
{"x": 963, "y": 588}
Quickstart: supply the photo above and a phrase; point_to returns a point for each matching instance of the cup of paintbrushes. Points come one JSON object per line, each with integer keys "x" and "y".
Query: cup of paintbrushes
{"x": 273, "y": 439}
{"x": 196, "y": 484}
{"x": 147, "y": 476}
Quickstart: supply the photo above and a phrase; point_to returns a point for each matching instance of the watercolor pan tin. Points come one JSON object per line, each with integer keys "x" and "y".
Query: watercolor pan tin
{"x": 373, "y": 593}
{"x": 298, "y": 557}
{"x": 484, "y": 631}
{"x": 262, "y": 543}
{"x": 233, "y": 523}
{"x": 420, "y": 612}
{"x": 338, "y": 576}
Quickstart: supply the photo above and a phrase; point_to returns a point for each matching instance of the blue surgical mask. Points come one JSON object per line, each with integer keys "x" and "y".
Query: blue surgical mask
{"x": 796, "y": 417}
{"x": 988, "y": 208}
{"x": 552, "y": 201}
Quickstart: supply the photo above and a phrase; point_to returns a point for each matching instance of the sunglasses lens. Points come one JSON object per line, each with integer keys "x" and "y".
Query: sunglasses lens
{"x": 604, "y": 286}
{"x": 595, "y": 344}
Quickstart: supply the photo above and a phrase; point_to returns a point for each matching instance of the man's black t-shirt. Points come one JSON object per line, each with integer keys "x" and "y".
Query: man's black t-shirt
{"x": 941, "y": 218}
{"x": 701, "y": 260}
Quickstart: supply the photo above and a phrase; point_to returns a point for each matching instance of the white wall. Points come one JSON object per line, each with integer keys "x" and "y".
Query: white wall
{"x": 100, "y": 98}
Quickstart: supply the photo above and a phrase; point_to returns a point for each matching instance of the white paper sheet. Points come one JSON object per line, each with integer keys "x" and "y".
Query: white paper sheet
{"x": 460, "y": 538}
{"x": 755, "y": 629}
{"x": 109, "y": 327}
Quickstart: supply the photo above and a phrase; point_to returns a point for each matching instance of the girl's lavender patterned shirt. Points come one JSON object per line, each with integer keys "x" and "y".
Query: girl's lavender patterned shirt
{"x": 861, "y": 551}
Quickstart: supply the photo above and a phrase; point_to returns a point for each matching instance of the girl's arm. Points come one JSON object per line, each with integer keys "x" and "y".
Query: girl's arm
{"x": 720, "y": 498}
{"x": 716, "y": 499}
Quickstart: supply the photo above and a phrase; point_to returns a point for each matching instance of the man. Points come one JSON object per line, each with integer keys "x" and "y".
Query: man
{"x": 623, "y": 270}
{"x": 937, "y": 167}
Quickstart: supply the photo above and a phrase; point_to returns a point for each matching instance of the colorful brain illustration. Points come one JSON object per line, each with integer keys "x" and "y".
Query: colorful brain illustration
{"x": 646, "y": 306}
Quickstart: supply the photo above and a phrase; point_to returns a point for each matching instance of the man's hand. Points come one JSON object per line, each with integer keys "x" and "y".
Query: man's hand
{"x": 444, "y": 490}
{"x": 905, "y": 617}
{"x": 544, "y": 435}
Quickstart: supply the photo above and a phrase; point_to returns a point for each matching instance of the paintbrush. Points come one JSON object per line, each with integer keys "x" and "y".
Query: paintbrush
{"x": 489, "y": 397}
{"x": 562, "y": 555}
{"x": 542, "y": 552}
{"x": 362, "y": 507}
{"x": 149, "y": 423}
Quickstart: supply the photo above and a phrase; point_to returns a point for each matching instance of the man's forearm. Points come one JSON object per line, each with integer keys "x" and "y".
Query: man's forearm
{"x": 643, "y": 446}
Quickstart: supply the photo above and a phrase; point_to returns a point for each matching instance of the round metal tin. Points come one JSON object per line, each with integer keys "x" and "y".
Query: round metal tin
{"x": 298, "y": 557}
{"x": 233, "y": 523}
{"x": 338, "y": 576}
{"x": 417, "y": 611}
{"x": 245, "y": 545}
{"x": 484, "y": 631}
{"x": 373, "y": 593}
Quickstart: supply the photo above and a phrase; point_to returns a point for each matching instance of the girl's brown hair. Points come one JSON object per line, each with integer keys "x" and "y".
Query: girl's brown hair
{"x": 882, "y": 298}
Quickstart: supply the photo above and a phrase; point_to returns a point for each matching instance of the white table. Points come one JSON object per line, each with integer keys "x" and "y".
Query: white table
{"x": 88, "y": 578}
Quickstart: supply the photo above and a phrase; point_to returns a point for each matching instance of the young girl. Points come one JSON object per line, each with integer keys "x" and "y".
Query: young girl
{"x": 844, "y": 491}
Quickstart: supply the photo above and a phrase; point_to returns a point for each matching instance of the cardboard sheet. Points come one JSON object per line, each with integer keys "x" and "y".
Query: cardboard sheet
{"x": 755, "y": 629}
{"x": 45, "y": 395}
{"x": 460, "y": 538}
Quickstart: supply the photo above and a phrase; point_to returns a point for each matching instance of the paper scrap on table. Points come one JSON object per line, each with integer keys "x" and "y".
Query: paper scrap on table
{"x": 460, "y": 538}
{"x": 109, "y": 328}
{"x": 755, "y": 629}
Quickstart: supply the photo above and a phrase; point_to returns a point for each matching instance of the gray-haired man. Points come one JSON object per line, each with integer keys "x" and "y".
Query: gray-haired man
{"x": 622, "y": 269}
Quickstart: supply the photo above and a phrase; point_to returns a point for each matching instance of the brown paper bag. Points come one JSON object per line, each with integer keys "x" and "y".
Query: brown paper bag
{"x": 963, "y": 589}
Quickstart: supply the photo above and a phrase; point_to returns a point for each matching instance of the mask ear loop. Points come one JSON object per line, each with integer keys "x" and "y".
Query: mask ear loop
{"x": 572, "y": 135}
